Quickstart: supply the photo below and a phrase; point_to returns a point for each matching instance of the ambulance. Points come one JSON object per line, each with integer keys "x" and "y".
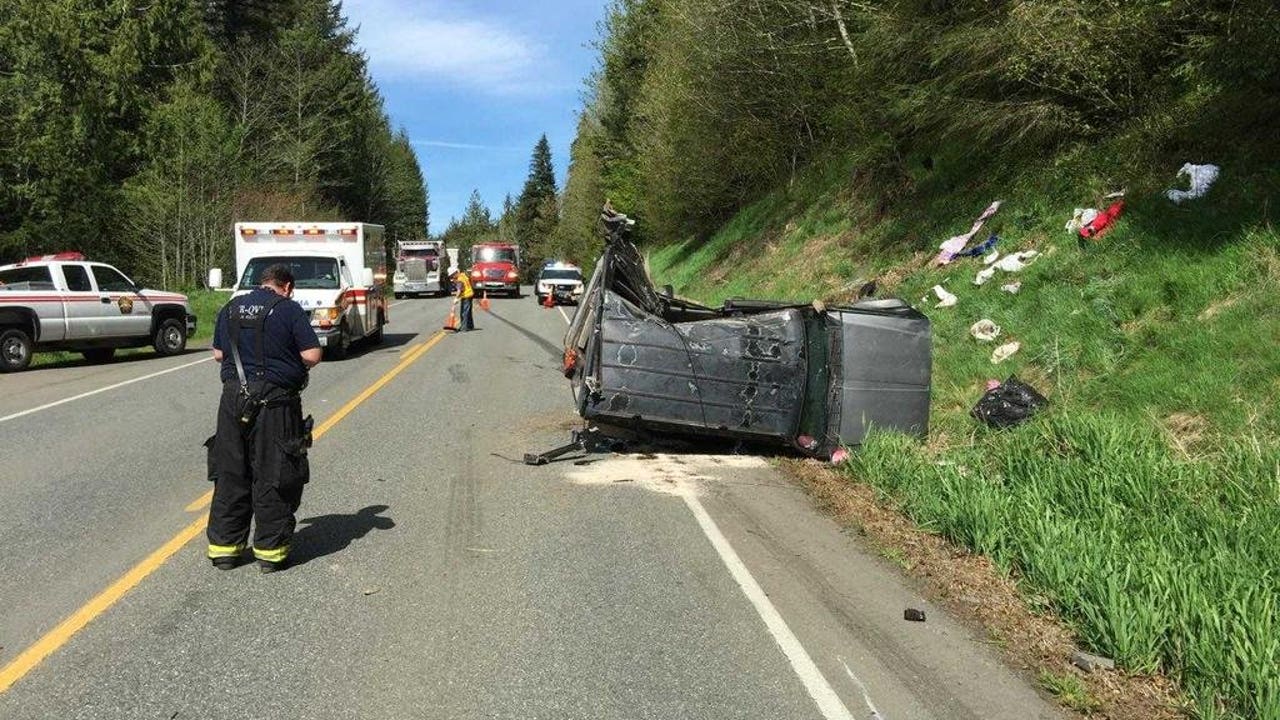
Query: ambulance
{"x": 339, "y": 271}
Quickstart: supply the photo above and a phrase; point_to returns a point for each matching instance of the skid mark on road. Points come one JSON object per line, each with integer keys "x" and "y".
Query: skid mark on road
{"x": 100, "y": 390}
{"x": 28, "y": 659}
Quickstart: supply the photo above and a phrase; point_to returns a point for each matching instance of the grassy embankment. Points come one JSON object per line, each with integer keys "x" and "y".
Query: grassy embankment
{"x": 1145, "y": 502}
{"x": 205, "y": 304}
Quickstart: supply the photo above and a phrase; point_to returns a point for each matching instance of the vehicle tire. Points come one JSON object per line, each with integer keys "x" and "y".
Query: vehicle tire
{"x": 397, "y": 295}
{"x": 343, "y": 348}
{"x": 171, "y": 337}
{"x": 99, "y": 355}
{"x": 376, "y": 337}
{"x": 15, "y": 349}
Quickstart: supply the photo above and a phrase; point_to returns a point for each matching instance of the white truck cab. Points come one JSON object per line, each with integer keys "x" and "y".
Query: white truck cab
{"x": 65, "y": 302}
{"x": 339, "y": 271}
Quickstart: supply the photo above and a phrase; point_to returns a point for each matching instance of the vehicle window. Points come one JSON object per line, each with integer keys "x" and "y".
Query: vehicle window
{"x": 490, "y": 254}
{"x": 418, "y": 253}
{"x": 77, "y": 278}
{"x": 26, "y": 278}
{"x": 308, "y": 273}
{"x": 110, "y": 280}
{"x": 562, "y": 275}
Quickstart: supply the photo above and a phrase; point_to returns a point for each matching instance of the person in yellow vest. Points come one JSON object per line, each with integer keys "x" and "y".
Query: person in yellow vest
{"x": 464, "y": 297}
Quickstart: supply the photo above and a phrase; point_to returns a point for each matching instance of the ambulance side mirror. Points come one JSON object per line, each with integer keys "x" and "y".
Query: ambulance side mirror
{"x": 215, "y": 278}
{"x": 366, "y": 277}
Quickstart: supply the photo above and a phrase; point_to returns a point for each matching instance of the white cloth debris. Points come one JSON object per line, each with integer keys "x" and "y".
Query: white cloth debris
{"x": 984, "y": 275}
{"x": 1202, "y": 178}
{"x": 956, "y": 244}
{"x": 1080, "y": 218}
{"x": 995, "y": 255}
{"x": 1012, "y": 288}
{"x": 945, "y": 299}
{"x": 985, "y": 330}
{"x": 1004, "y": 352}
{"x": 1017, "y": 261}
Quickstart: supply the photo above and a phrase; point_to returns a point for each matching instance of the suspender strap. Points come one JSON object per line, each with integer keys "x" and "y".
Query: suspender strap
{"x": 258, "y": 324}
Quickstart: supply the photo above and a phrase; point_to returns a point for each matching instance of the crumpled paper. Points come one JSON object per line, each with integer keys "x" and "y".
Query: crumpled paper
{"x": 1004, "y": 352}
{"x": 985, "y": 330}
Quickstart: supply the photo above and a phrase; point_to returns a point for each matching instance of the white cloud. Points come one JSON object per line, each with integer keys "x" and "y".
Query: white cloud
{"x": 409, "y": 39}
{"x": 458, "y": 146}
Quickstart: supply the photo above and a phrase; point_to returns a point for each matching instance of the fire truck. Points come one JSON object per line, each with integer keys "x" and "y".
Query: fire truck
{"x": 495, "y": 267}
{"x": 339, "y": 271}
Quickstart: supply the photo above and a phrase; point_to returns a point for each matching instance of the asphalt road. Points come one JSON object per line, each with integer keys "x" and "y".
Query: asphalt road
{"x": 436, "y": 576}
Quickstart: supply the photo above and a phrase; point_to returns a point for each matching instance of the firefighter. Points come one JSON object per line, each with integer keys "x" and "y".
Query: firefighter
{"x": 466, "y": 294}
{"x": 258, "y": 458}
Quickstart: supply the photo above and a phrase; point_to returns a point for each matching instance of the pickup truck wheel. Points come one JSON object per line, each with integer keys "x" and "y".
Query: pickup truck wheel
{"x": 171, "y": 337}
{"x": 99, "y": 355}
{"x": 15, "y": 350}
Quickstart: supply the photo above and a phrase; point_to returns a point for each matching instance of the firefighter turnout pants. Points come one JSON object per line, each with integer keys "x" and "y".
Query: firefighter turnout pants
{"x": 258, "y": 473}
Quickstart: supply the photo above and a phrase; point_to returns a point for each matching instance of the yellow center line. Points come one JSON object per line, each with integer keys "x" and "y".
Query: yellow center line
{"x": 60, "y": 635}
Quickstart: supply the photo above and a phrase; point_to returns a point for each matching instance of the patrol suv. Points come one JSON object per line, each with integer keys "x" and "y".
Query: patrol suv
{"x": 63, "y": 302}
{"x": 559, "y": 282}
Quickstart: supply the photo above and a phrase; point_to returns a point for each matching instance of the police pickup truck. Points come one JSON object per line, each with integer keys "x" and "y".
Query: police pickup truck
{"x": 63, "y": 302}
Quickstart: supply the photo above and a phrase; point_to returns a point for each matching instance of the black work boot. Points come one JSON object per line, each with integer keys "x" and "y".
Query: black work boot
{"x": 266, "y": 566}
{"x": 226, "y": 563}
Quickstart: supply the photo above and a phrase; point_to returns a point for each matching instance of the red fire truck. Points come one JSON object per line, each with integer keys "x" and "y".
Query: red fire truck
{"x": 495, "y": 267}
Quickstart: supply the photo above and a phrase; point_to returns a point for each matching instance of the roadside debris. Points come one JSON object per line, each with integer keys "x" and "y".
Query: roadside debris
{"x": 1202, "y": 177}
{"x": 1012, "y": 288}
{"x": 1103, "y": 222}
{"x": 1089, "y": 662}
{"x": 985, "y": 330}
{"x": 839, "y": 456}
{"x": 985, "y": 247}
{"x": 1004, "y": 352}
{"x": 1008, "y": 404}
{"x": 984, "y": 275}
{"x": 1080, "y": 218}
{"x": 945, "y": 299}
{"x": 1017, "y": 261}
{"x": 370, "y": 591}
{"x": 958, "y": 242}
{"x": 913, "y": 615}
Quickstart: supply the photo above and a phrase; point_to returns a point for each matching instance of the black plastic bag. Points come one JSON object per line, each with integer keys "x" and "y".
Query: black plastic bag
{"x": 1008, "y": 405}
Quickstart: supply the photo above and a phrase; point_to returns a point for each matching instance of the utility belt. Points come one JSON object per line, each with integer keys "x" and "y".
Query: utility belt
{"x": 252, "y": 397}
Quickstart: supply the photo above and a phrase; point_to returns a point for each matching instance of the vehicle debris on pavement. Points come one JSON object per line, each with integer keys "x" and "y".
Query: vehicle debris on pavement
{"x": 957, "y": 243}
{"x": 766, "y": 373}
{"x": 1202, "y": 178}
{"x": 1008, "y": 404}
{"x": 913, "y": 615}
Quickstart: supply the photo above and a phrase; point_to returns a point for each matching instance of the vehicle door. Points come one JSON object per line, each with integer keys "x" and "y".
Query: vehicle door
{"x": 124, "y": 312}
{"x": 352, "y": 299}
{"x": 34, "y": 287}
{"x": 84, "y": 309}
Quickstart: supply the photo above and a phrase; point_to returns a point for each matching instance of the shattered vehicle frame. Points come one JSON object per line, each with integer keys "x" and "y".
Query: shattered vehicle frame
{"x": 803, "y": 377}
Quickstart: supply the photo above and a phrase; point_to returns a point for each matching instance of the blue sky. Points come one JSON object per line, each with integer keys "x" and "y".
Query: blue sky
{"x": 476, "y": 83}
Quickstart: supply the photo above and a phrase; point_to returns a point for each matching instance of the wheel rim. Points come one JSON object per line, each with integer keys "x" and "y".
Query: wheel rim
{"x": 172, "y": 338}
{"x": 15, "y": 351}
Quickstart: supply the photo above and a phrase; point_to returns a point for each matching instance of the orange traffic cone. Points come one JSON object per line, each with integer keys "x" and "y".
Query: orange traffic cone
{"x": 484, "y": 302}
{"x": 451, "y": 322}
{"x": 550, "y": 302}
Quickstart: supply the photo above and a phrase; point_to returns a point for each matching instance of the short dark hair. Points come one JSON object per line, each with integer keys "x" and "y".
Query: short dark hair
{"x": 278, "y": 275}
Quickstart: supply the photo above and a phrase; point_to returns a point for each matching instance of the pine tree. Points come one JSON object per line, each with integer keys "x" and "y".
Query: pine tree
{"x": 537, "y": 209}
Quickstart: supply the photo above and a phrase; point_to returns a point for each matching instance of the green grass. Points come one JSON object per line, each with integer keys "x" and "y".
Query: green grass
{"x": 1145, "y": 502}
{"x": 1070, "y": 691}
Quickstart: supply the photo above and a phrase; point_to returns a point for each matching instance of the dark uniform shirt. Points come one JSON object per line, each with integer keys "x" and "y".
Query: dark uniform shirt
{"x": 287, "y": 332}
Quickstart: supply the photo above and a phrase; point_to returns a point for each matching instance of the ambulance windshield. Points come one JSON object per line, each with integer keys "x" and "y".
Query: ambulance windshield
{"x": 309, "y": 273}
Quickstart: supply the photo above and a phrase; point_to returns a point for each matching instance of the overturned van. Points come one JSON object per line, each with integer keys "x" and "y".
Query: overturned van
{"x": 799, "y": 376}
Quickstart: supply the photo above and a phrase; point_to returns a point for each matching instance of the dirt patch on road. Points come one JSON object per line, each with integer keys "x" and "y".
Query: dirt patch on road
{"x": 971, "y": 588}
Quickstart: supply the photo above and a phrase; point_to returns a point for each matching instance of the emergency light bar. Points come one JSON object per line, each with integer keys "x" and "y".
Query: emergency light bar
{"x": 70, "y": 256}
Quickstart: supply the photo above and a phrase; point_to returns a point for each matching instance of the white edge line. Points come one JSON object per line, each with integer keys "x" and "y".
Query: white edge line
{"x": 91, "y": 393}
{"x": 564, "y": 315}
{"x": 828, "y": 702}
{"x": 866, "y": 696}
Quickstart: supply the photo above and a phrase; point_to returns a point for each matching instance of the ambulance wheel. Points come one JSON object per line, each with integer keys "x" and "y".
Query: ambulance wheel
{"x": 342, "y": 348}
{"x": 99, "y": 355}
{"x": 15, "y": 350}
{"x": 171, "y": 337}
